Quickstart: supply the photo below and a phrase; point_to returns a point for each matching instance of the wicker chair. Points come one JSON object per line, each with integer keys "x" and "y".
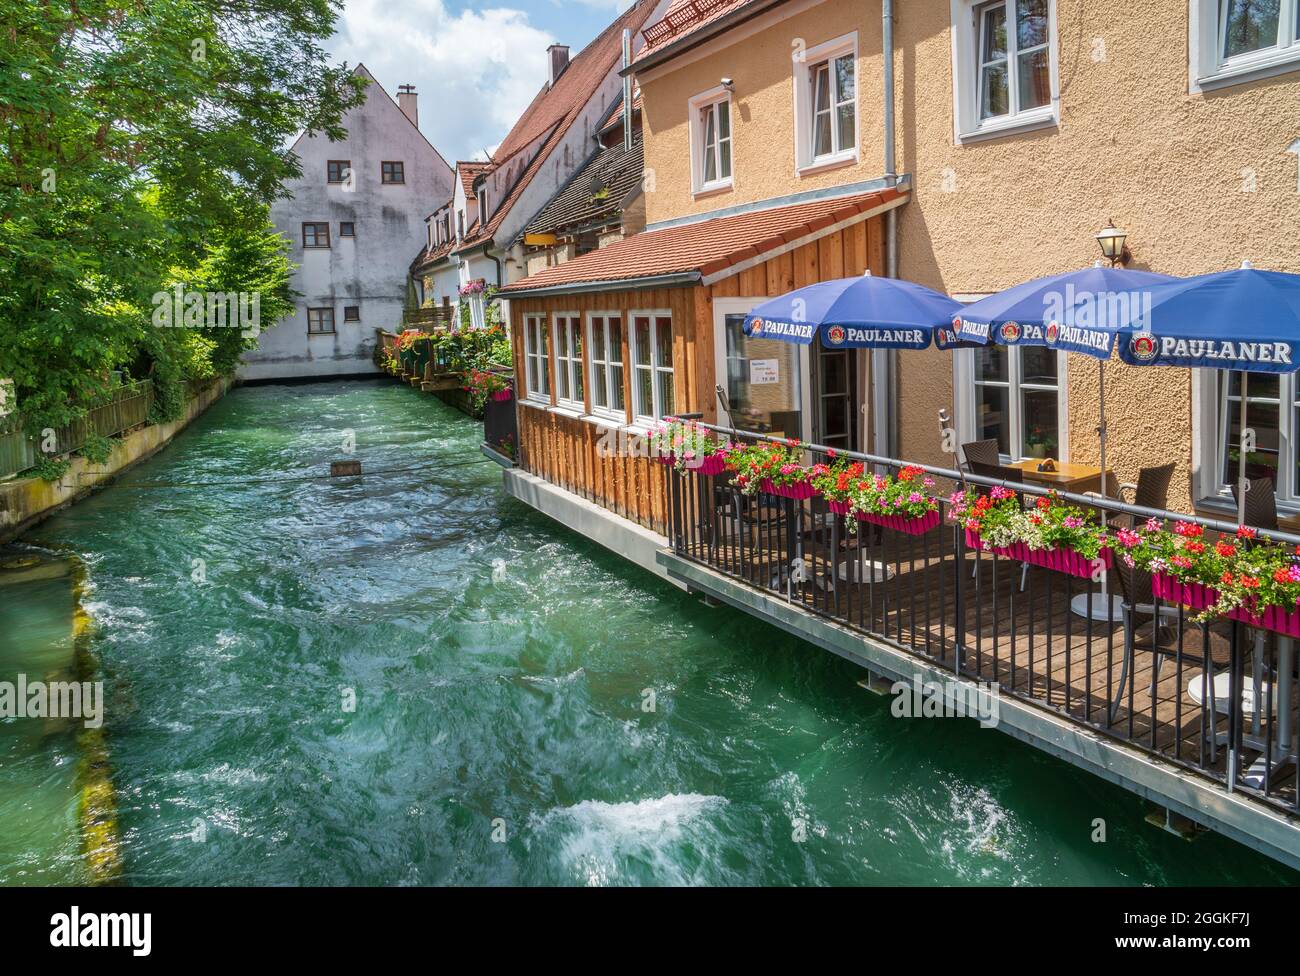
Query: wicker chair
{"x": 1261, "y": 503}
{"x": 981, "y": 452}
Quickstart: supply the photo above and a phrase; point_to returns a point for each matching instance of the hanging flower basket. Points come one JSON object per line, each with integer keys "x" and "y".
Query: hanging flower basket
{"x": 838, "y": 508}
{"x": 1198, "y": 596}
{"x": 799, "y": 490}
{"x": 1061, "y": 560}
{"x": 710, "y": 466}
{"x": 502, "y": 395}
{"x": 911, "y": 524}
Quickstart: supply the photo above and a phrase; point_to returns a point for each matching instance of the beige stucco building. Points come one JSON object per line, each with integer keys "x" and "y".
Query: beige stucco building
{"x": 1142, "y": 121}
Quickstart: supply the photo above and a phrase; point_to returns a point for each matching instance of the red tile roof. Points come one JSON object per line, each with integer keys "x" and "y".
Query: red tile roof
{"x": 685, "y": 17}
{"x": 707, "y": 246}
{"x": 556, "y": 108}
{"x": 467, "y": 172}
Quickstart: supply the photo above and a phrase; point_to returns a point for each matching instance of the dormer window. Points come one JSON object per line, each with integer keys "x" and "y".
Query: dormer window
{"x": 482, "y": 205}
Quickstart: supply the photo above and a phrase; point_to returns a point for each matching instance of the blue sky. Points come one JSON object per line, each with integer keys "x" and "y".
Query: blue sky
{"x": 476, "y": 65}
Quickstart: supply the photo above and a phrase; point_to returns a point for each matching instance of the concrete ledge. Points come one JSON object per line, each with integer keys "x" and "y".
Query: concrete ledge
{"x": 26, "y": 501}
{"x": 1232, "y": 814}
{"x": 617, "y": 534}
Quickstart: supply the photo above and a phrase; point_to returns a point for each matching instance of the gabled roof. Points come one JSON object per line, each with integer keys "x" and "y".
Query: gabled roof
{"x": 706, "y": 247}
{"x": 556, "y": 108}
{"x": 468, "y": 172}
{"x": 596, "y": 192}
{"x": 684, "y": 18}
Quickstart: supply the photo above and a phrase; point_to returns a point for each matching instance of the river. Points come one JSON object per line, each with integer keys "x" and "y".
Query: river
{"x": 414, "y": 679}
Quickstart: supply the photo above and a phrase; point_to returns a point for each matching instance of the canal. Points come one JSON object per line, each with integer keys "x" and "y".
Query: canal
{"x": 415, "y": 679}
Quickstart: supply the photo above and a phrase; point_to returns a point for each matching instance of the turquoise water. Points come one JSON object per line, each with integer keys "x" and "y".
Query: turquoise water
{"x": 500, "y": 664}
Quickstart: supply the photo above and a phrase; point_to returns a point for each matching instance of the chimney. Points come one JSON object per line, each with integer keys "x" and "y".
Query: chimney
{"x": 406, "y": 102}
{"x": 627, "y": 90}
{"x": 558, "y": 56}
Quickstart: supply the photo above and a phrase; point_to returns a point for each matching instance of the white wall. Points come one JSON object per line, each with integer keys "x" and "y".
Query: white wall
{"x": 370, "y": 270}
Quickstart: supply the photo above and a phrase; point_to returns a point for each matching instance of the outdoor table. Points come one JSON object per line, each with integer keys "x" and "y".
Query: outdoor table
{"x": 1068, "y": 476}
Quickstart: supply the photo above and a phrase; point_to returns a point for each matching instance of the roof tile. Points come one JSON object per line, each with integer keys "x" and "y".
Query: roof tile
{"x": 707, "y": 246}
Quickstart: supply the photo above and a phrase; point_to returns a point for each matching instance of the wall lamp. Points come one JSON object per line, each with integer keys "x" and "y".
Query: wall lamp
{"x": 1111, "y": 239}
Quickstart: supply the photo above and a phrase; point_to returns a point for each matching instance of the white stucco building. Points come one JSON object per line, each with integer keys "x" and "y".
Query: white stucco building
{"x": 351, "y": 218}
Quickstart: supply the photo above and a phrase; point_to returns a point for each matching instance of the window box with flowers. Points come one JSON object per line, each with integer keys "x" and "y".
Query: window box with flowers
{"x": 482, "y": 386}
{"x": 771, "y": 468}
{"x": 903, "y": 503}
{"x": 1050, "y": 533}
{"x": 689, "y": 447}
{"x": 1243, "y": 578}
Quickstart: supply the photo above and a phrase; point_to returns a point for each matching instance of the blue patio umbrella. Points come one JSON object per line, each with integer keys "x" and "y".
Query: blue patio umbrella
{"x": 865, "y": 312}
{"x": 1245, "y": 319}
{"x": 1079, "y": 311}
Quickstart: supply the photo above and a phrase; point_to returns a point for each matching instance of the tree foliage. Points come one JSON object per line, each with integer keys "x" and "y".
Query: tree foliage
{"x": 141, "y": 144}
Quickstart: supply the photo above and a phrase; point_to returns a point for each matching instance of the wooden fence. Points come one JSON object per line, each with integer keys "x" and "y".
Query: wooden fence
{"x": 126, "y": 407}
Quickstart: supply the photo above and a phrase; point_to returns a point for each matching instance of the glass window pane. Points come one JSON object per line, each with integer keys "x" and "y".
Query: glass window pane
{"x": 616, "y": 391}
{"x": 991, "y": 364}
{"x": 597, "y": 341}
{"x": 770, "y": 406}
{"x": 1042, "y": 437}
{"x": 665, "y": 392}
{"x": 615, "y": 340}
{"x": 562, "y": 340}
{"x": 993, "y": 415}
{"x": 644, "y": 401}
{"x": 844, "y": 87}
{"x": 710, "y": 159}
{"x": 1035, "y": 79}
{"x": 1038, "y": 365}
{"x": 993, "y": 91}
{"x": 822, "y": 134}
{"x": 664, "y": 342}
{"x": 993, "y": 43}
{"x": 724, "y": 159}
{"x": 642, "y": 343}
{"x": 1031, "y": 23}
{"x": 847, "y": 138}
{"x": 600, "y": 385}
{"x": 1251, "y": 25}
{"x": 724, "y": 120}
{"x": 579, "y": 391}
{"x": 821, "y": 88}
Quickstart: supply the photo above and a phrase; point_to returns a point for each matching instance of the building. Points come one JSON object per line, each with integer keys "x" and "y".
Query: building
{"x": 556, "y": 136}
{"x": 988, "y": 146}
{"x": 357, "y": 204}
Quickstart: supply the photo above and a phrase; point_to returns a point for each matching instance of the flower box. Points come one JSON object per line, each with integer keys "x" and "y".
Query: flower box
{"x": 665, "y": 458}
{"x": 502, "y": 395}
{"x": 1198, "y": 596}
{"x": 1061, "y": 560}
{"x": 838, "y": 508}
{"x": 911, "y": 524}
{"x": 798, "y": 491}
{"x": 713, "y": 464}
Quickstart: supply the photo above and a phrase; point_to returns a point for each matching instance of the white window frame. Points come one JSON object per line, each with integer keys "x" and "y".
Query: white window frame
{"x": 722, "y": 307}
{"x": 802, "y": 66}
{"x": 639, "y": 417}
{"x": 571, "y": 323}
{"x": 967, "y": 125}
{"x": 1210, "y": 428}
{"x": 1209, "y": 69}
{"x": 537, "y": 361}
{"x": 601, "y": 320}
{"x": 708, "y": 102}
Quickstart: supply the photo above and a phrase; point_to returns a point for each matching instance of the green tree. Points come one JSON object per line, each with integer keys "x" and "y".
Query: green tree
{"x": 139, "y": 138}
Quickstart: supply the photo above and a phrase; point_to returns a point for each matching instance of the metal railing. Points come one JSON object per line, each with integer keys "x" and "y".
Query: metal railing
{"x": 126, "y": 407}
{"x": 501, "y": 422}
{"x": 1149, "y": 675}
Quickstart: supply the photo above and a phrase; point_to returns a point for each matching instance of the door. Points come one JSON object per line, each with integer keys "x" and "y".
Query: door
{"x": 836, "y": 381}
{"x": 765, "y": 380}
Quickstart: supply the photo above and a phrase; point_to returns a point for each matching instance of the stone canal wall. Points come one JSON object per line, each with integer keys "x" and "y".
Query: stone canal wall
{"x": 26, "y": 501}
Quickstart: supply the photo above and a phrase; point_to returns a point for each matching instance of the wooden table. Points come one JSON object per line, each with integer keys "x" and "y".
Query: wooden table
{"x": 1068, "y": 476}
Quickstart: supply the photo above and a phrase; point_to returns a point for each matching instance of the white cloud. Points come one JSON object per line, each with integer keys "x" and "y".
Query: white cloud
{"x": 475, "y": 71}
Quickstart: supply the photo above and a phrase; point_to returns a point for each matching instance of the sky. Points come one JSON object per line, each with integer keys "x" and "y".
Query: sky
{"x": 476, "y": 65}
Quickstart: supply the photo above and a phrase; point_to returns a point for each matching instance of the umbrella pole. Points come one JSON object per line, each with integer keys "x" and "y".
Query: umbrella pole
{"x": 1241, "y": 454}
{"x": 1101, "y": 427}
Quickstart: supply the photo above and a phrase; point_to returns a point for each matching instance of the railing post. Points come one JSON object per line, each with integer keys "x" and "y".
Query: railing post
{"x": 959, "y": 601}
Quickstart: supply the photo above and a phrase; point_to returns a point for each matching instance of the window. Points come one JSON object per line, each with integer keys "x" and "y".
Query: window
{"x": 568, "y": 361}
{"x": 711, "y": 140}
{"x": 1239, "y": 40}
{"x": 652, "y": 363}
{"x": 482, "y": 205}
{"x": 1005, "y": 69}
{"x": 826, "y": 104}
{"x": 834, "y": 107}
{"x": 763, "y": 376}
{"x": 537, "y": 357}
{"x": 347, "y": 229}
{"x": 460, "y": 224}
{"x": 320, "y": 321}
{"x": 605, "y": 351}
{"x": 1016, "y": 398}
{"x": 392, "y": 172}
{"x": 316, "y": 235}
{"x": 338, "y": 170}
{"x": 351, "y": 313}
